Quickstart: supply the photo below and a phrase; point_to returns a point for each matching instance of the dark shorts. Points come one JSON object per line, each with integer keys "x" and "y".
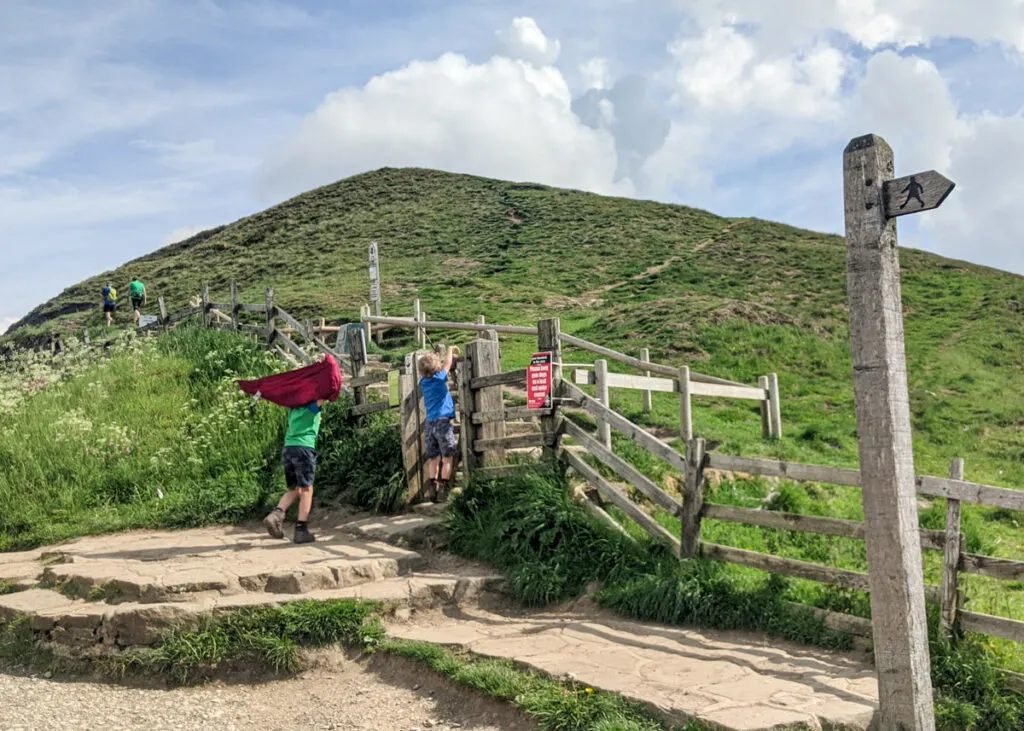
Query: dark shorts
{"x": 440, "y": 438}
{"x": 136, "y": 304}
{"x": 299, "y": 466}
{"x": 107, "y": 307}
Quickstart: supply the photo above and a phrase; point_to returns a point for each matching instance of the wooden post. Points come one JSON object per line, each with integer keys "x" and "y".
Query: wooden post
{"x": 411, "y": 457}
{"x": 645, "y": 356}
{"x": 774, "y": 406}
{"x": 899, "y": 625}
{"x": 549, "y": 341}
{"x": 484, "y": 356}
{"x": 163, "y": 312}
{"x": 357, "y": 352}
{"x": 422, "y": 332}
{"x": 307, "y": 325}
{"x": 685, "y": 405}
{"x": 416, "y": 312}
{"x": 464, "y": 372}
{"x": 364, "y": 312}
{"x": 766, "y": 419}
{"x": 206, "y": 305}
{"x": 271, "y": 327}
{"x": 951, "y": 554}
{"x": 693, "y": 497}
{"x": 604, "y": 430}
{"x": 490, "y": 335}
{"x": 481, "y": 320}
{"x": 85, "y": 336}
{"x": 234, "y": 305}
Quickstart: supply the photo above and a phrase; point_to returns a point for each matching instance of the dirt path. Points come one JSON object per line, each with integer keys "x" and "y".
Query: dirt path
{"x": 389, "y": 695}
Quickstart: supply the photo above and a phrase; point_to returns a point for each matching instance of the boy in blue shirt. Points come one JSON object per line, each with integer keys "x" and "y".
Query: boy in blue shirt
{"x": 439, "y": 433}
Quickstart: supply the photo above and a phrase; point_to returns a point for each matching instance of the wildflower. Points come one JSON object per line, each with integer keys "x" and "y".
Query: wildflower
{"x": 589, "y": 691}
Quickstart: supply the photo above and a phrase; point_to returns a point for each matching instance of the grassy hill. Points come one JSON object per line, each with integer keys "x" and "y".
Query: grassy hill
{"x": 731, "y": 297}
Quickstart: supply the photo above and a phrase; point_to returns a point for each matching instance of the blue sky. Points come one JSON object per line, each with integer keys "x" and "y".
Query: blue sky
{"x": 127, "y": 124}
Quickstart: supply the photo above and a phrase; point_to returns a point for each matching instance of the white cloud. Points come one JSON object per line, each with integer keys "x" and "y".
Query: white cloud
{"x": 723, "y": 70}
{"x": 503, "y": 118}
{"x": 906, "y": 100}
{"x": 870, "y": 23}
{"x": 595, "y": 73}
{"x": 523, "y": 40}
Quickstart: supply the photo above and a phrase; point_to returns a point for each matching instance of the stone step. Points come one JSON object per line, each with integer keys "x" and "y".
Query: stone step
{"x": 81, "y": 625}
{"x": 265, "y": 565}
{"x": 408, "y": 530}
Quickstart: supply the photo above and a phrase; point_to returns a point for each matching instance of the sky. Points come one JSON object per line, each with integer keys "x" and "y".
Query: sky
{"x": 126, "y": 125}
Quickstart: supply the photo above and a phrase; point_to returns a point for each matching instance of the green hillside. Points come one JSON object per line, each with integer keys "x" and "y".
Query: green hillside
{"x": 732, "y": 297}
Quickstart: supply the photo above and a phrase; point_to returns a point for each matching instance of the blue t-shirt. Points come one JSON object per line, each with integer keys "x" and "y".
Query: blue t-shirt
{"x": 436, "y": 397}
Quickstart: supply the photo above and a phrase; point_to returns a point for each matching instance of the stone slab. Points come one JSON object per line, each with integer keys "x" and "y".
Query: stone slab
{"x": 737, "y": 681}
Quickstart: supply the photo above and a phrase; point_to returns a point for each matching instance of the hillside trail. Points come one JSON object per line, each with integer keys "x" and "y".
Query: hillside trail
{"x": 139, "y": 584}
{"x": 591, "y": 298}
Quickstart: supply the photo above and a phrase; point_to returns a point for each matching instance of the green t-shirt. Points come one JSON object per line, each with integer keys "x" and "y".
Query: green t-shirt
{"x": 303, "y": 428}
{"x": 137, "y": 289}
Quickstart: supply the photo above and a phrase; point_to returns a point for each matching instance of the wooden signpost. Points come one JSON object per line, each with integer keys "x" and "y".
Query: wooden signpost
{"x": 873, "y": 199}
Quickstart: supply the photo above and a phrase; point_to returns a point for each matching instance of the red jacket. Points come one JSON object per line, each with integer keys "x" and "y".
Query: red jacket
{"x": 301, "y": 387}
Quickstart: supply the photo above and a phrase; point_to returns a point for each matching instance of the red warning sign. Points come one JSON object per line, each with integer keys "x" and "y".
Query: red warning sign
{"x": 538, "y": 382}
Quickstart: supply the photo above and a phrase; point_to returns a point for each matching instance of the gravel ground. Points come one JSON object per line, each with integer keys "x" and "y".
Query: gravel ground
{"x": 394, "y": 695}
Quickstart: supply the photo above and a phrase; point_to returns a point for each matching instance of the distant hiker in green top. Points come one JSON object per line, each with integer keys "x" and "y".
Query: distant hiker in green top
{"x": 137, "y": 292}
{"x": 299, "y": 458}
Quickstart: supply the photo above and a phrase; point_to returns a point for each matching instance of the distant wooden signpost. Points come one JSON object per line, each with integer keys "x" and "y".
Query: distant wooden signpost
{"x": 873, "y": 199}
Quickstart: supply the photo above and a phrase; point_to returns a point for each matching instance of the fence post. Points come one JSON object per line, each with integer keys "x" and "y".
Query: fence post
{"x": 484, "y": 356}
{"x": 775, "y": 408}
{"x": 85, "y": 336}
{"x": 604, "y": 431}
{"x": 163, "y": 312}
{"x": 693, "y": 497}
{"x": 416, "y": 312}
{"x": 422, "y": 331}
{"x": 464, "y": 372}
{"x": 481, "y": 320}
{"x": 234, "y": 305}
{"x": 549, "y": 341}
{"x": 206, "y": 304}
{"x": 271, "y": 327}
{"x": 364, "y": 312}
{"x": 308, "y": 334}
{"x": 766, "y": 422}
{"x": 685, "y": 405}
{"x": 645, "y": 356}
{"x": 357, "y": 352}
{"x": 951, "y": 554}
{"x": 409, "y": 398}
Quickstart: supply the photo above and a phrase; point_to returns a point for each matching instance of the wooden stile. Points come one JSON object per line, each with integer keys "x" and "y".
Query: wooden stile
{"x": 483, "y": 354}
{"x": 548, "y": 341}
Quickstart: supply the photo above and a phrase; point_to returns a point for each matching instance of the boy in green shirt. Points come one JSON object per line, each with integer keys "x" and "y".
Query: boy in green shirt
{"x": 299, "y": 458}
{"x": 137, "y": 291}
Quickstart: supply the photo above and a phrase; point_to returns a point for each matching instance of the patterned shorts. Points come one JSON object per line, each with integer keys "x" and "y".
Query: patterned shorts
{"x": 440, "y": 439}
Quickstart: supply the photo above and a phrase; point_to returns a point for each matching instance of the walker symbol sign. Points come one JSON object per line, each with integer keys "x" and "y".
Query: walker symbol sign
{"x": 538, "y": 382}
{"x": 916, "y": 193}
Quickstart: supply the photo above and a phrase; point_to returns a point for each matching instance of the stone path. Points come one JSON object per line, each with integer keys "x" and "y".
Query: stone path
{"x": 738, "y": 681}
{"x": 99, "y": 594}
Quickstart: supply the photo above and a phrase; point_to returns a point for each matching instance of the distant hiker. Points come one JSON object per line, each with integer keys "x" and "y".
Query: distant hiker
{"x": 137, "y": 291}
{"x": 439, "y": 433}
{"x": 109, "y": 303}
{"x": 303, "y": 392}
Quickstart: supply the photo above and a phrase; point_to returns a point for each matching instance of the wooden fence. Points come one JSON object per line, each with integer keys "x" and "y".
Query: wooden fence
{"x": 687, "y": 383}
{"x": 484, "y": 417}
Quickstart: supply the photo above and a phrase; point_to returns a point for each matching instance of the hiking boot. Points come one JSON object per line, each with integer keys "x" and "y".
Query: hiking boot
{"x": 274, "y": 523}
{"x": 302, "y": 535}
{"x": 443, "y": 489}
{"x": 431, "y": 492}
